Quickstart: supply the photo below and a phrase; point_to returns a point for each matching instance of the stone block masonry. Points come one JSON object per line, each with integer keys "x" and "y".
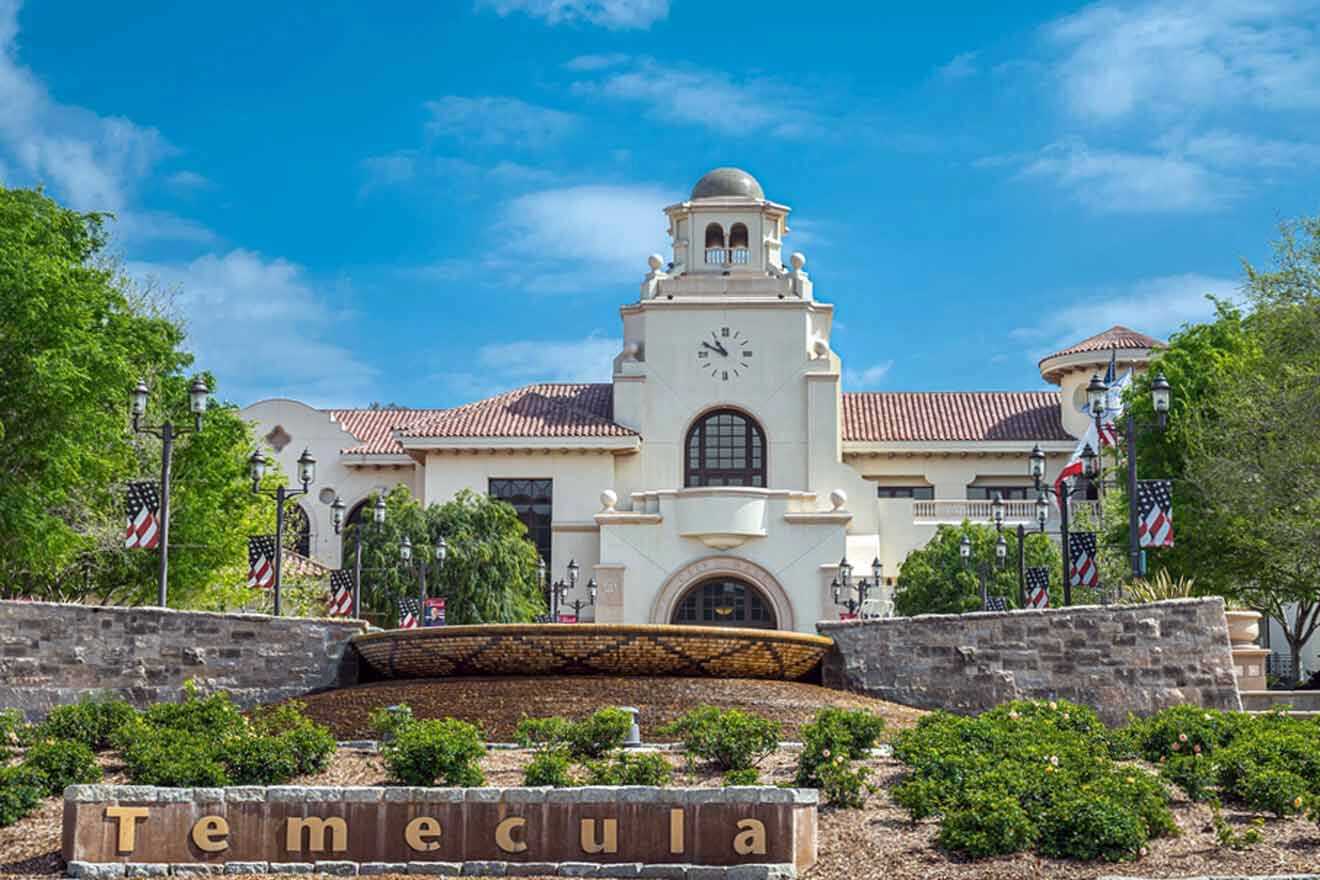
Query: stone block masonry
{"x": 1117, "y": 658}
{"x": 53, "y": 654}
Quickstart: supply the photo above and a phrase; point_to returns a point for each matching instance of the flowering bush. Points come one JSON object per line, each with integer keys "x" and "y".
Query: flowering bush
{"x": 850, "y": 733}
{"x": 990, "y": 824}
{"x": 729, "y": 739}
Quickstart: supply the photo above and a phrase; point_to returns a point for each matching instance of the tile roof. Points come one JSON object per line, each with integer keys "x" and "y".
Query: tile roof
{"x": 550, "y": 410}
{"x": 952, "y": 415}
{"x": 374, "y": 428}
{"x": 1116, "y": 337}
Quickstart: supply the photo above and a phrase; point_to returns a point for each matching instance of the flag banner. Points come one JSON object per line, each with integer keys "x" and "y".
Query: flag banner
{"x": 996, "y": 603}
{"x": 1154, "y": 513}
{"x": 142, "y": 505}
{"x": 1083, "y": 565}
{"x": 1038, "y": 587}
{"x": 261, "y": 561}
{"x": 340, "y": 603}
{"x": 847, "y": 615}
{"x": 1108, "y": 434}
{"x": 410, "y": 613}
{"x": 434, "y": 612}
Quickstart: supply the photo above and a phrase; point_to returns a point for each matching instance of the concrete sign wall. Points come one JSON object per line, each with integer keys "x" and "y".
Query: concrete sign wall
{"x": 438, "y": 830}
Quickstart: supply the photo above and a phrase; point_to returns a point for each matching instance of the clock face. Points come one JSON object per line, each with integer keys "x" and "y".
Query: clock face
{"x": 724, "y": 354}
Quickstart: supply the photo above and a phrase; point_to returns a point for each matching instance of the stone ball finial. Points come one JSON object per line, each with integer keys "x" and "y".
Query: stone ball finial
{"x": 797, "y": 260}
{"x": 838, "y": 498}
{"x": 608, "y": 499}
{"x": 655, "y": 262}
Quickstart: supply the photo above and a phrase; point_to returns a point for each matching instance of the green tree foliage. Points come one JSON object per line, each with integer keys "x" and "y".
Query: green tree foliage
{"x": 75, "y": 337}
{"x": 933, "y": 580}
{"x": 489, "y": 573}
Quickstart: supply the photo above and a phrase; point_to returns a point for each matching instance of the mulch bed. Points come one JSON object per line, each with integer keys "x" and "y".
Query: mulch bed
{"x": 496, "y": 704}
{"x": 875, "y": 842}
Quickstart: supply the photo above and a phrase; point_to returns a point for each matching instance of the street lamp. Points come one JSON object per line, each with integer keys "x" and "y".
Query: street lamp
{"x": 1064, "y": 491}
{"x": 983, "y": 570}
{"x": 577, "y": 604}
{"x": 439, "y": 552}
{"x": 844, "y": 585}
{"x": 1161, "y": 396}
{"x": 198, "y": 394}
{"x": 337, "y": 508}
{"x": 559, "y": 590}
{"x": 306, "y": 475}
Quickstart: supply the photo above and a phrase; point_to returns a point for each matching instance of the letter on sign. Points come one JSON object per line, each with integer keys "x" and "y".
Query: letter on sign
{"x": 504, "y": 835}
{"x": 127, "y": 839}
{"x": 588, "y": 836}
{"x": 422, "y": 833}
{"x": 316, "y": 829}
{"x": 209, "y": 833}
{"x": 750, "y": 840}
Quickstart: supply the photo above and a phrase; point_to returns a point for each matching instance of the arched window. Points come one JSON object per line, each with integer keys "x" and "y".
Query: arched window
{"x": 725, "y": 448}
{"x": 725, "y": 602}
{"x": 738, "y": 252}
{"x": 715, "y": 252}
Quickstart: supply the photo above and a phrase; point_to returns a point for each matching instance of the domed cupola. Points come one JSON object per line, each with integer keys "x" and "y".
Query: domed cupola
{"x": 728, "y": 227}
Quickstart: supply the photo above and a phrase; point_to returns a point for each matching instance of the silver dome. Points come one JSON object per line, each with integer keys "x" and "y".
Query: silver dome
{"x": 727, "y": 182}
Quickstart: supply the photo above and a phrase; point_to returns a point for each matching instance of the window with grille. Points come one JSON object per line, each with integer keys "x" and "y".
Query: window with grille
{"x": 725, "y": 602}
{"x": 725, "y": 448}
{"x": 534, "y": 501}
{"x": 919, "y": 493}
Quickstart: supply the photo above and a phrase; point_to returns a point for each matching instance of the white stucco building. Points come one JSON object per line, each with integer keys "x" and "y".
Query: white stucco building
{"x": 723, "y": 471}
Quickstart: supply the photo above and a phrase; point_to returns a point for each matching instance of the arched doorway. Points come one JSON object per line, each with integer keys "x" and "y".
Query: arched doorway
{"x": 725, "y": 601}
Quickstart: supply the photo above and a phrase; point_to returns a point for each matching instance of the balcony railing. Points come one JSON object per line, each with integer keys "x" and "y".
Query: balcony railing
{"x": 728, "y": 256}
{"x": 1015, "y": 511}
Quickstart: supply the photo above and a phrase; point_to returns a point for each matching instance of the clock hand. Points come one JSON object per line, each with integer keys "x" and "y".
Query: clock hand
{"x": 723, "y": 350}
{"x": 711, "y": 347}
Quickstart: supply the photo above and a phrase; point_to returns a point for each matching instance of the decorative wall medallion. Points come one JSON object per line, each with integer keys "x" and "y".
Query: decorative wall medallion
{"x": 278, "y": 438}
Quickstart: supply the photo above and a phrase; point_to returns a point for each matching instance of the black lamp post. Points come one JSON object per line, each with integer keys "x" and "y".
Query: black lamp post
{"x": 440, "y": 551}
{"x": 983, "y": 569}
{"x": 167, "y": 431}
{"x": 377, "y": 521}
{"x": 306, "y": 475}
{"x": 843, "y": 585}
{"x": 577, "y": 604}
{"x": 1063, "y": 493}
{"x": 560, "y": 589}
{"x": 1001, "y": 545}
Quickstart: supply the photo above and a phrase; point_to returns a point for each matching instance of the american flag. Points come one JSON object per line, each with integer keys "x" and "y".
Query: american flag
{"x": 410, "y": 613}
{"x": 261, "y": 561}
{"x": 1108, "y": 434}
{"x": 341, "y": 593}
{"x": 142, "y": 505}
{"x": 1083, "y": 567}
{"x": 1038, "y": 587}
{"x": 1155, "y": 513}
{"x": 995, "y": 603}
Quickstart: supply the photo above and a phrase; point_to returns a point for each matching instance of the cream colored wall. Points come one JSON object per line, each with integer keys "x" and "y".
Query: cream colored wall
{"x": 312, "y": 429}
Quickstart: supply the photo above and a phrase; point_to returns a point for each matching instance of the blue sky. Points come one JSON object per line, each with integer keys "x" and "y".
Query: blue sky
{"x": 428, "y": 202}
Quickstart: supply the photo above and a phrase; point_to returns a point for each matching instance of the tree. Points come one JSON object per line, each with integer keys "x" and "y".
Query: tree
{"x": 932, "y": 579}
{"x": 489, "y": 574}
{"x": 75, "y": 337}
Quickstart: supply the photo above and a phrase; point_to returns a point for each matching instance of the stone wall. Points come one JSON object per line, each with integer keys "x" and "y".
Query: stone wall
{"x": 51, "y": 654}
{"x": 1137, "y": 658}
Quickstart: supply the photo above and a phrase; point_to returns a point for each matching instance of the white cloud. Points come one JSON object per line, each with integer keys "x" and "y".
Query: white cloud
{"x": 1162, "y": 58}
{"x": 260, "y": 327}
{"x": 587, "y": 63}
{"x": 539, "y": 360}
{"x": 1228, "y": 149}
{"x": 867, "y": 377}
{"x": 496, "y": 121}
{"x": 188, "y": 180}
{"x": 1156, "y": 306}
{"x": 961, "y": 66}
{"x": 700, "y": 96}
{"x": 612, "y": 14}
{"x": 1115, "y": 181}
{"x": 390, "y": 169}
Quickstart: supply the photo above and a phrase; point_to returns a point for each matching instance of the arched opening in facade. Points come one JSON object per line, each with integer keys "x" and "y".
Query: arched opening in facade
{"x": 725, "y": 601}
{"x": 297, "y": 530}
{"x": 715, "y": 252}
{"x": 725, "y": 448}
{"x": 738, "y": 253}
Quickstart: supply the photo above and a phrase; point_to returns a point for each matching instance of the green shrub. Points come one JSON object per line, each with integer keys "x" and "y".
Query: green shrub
{"x": 92, "y": 723}
{"x": 549, "y": 767}
{"x": 11, "y": 731}
{"x": 553, "y": 732}
{"x": 1183, "y": 730}
{"x": 445, "y": 750}
{"x": 922, "y": 798}
{"x": 842, "y": 784}
{"x": 1140, "y": 792}
{"x": 851, "y": 733}
{"x": 1088, "y": 827}
{"x": 989, "y": 825}
{"x": 600, "y": 733}
{"x": 60, "y": 763}
{"x": 729, "y": 739}
{"x": 1272, "y": 790}
{"x": 630, "y": 768}
{"x": 387, "y": 720}
{"x": 20, "y": 793}
{"x": 214, "y": 716}
{"x": 746, "y": 776}
{"x": 311, "y": 745}
{"x": 172, "y": 758}
{"x": 1194, "y": 774}
{"x": 258, "y": 760}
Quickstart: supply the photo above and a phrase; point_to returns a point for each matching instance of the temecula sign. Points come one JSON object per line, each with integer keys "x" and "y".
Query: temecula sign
{"x": 729, "y": 826}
